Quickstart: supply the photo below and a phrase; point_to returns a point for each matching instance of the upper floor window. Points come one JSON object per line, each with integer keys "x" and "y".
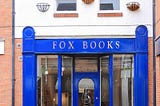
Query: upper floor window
{"x": 109, "y": 5}
{"x": 66, "y": 5}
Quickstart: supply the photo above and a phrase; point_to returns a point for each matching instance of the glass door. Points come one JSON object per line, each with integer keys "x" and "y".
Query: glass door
{"x": 86, "y": 90}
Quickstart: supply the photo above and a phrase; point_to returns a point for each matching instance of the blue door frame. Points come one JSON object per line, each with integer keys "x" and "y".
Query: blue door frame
{"x": 33, "y": 47}
{"x": 96, "y": 79}
{"x": 94, "y": 76}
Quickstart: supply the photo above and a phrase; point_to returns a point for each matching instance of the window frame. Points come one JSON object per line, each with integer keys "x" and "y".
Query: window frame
{"x": 69, "y": 10}
{"x": 108, "y": 10}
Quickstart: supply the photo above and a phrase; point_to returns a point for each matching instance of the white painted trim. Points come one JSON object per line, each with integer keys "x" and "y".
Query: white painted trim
{"x": 1, "y": 46}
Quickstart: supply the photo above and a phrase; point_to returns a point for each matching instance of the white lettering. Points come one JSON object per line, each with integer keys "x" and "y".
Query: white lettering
{"x": 62, "y": 45}
{"x": 93, "y": 45}
{"x": 110, "y": 44}
{"x": 117, "y": 44}
{"x": 85, "y": 45}
{"x": 71, "y": 45}
{"x": 54, "y": 44}
{"x": 101, "y": 44}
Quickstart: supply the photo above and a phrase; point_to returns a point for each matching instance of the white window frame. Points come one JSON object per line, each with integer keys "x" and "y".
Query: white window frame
{"x": 2, "y": 46}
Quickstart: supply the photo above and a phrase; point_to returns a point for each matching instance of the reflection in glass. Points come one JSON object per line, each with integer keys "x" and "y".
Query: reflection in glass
{"x": 86, "y": 64}
{"x": 104, "y": 81}
{"x": 66, "y": 5}
{"x": 46, "y": 82}
{"x": 109, "y": 4}
{"x": 66, "y": 80}
{"x": 123, "y": 66}
{"x": 86, "y": 92}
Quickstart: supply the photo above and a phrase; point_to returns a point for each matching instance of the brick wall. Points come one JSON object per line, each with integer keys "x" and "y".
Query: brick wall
{"x": 157, "y": 6}
{"x": 18, "y": 72}
{"x": 150, "y": 71}
{"x": 158, "y": 80}
{"x": 158, "y": 57}
{"x": 5, "y": 59}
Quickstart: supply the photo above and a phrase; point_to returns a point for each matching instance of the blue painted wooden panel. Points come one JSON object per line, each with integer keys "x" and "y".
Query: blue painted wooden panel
{"x": 59, "y": 80}
{"x": 111, "y": 80}
{"x": 141, "y": 40}
{"x": 29, "y": 80}
{"x": 95, "y": 76}
{"x": 71, "y": 46}
{"x": 141, "y": 80}
{"x": 28, "y": 40}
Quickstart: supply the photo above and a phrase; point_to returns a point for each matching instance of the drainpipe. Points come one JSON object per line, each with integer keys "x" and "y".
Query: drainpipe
{"x": 154, "y": 57}
{"x": 13, "y": 52}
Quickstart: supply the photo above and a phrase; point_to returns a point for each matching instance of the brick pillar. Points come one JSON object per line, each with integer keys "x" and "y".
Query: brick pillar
{"x": 6, "y": 58}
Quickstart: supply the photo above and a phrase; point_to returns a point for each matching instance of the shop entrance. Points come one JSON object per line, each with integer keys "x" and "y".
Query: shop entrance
{"x": 86, "y": 90}
{"x": 86, "y": 81}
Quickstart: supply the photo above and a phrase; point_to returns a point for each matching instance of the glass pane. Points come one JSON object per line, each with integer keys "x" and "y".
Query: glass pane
{"x": 47, "y": 81}
{"x": 109, "y": 4}
{"x": 66, "y": 80}
{"x": 66, "y": 5}
{"x": 106, "y": 6}
{"x": 104, "y": 81}
{"x": 86, "y": 64}
{"x": 123, "y": 80}
{"x": 86, "y": 92}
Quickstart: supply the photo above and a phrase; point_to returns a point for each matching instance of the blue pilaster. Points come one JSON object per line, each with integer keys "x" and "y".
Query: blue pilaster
{"x": 29, "y": 68}
{"x": 141, "y": 67}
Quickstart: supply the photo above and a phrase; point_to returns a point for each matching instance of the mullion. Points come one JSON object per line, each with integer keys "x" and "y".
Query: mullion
{"x": 111, "y": 80}
{"x": 59, "y": 80}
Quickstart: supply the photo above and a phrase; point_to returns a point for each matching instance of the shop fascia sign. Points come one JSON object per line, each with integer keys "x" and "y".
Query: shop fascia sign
{"x": 86, "y": 44}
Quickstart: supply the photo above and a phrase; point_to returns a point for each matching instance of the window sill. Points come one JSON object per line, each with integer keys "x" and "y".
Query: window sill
{"x": 65, "y": 15}
{"x": 114, "y": 14}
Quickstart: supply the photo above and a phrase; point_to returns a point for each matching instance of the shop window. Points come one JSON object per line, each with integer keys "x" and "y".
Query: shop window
{"x": 123, "y": 75}
{"x": 104, "y": 80}
{"x": 47, "y": 81}
{"x": 122, "y": 86}
{"x": 66, "y": 81}
{"x": 66, "y": 5}
{"x": 109, "y": 5}
{"x": 47, "y": 76}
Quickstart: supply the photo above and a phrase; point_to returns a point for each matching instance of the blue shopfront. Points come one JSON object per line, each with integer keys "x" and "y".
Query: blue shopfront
{"x": 85, "y": 72}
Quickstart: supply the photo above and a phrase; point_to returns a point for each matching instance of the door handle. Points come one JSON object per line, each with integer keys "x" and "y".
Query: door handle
{"x": 96, "y": 98}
